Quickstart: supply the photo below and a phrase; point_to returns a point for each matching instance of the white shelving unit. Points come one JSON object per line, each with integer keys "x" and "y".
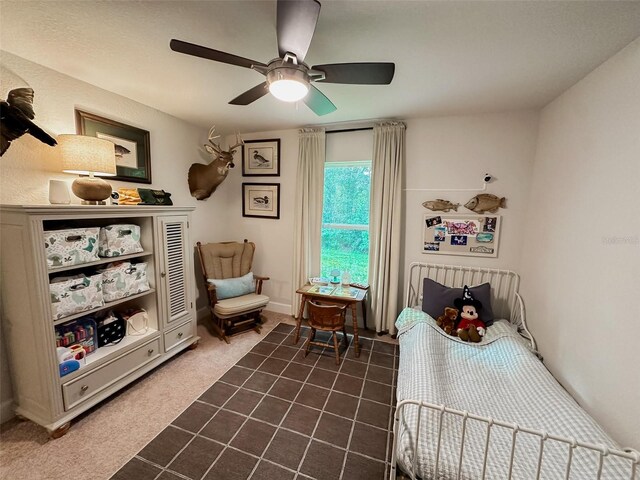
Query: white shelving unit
{"x": 40, "y": 394}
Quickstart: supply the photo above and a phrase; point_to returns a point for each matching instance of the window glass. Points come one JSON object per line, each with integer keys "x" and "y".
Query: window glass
{"x": 345, "y": 219}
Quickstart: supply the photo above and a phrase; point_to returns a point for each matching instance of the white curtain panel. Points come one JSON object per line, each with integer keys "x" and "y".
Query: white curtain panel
{"x": 308, "y": 209}
{"x": 385, "y": 223}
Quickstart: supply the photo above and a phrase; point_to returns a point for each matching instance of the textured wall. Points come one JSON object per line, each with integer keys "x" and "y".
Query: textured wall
{"x": 581, "y": 254}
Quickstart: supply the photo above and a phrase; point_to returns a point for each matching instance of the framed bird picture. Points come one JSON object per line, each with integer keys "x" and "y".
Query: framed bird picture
{"x": 261, "y": 158}
{"x": 261, "y": 200}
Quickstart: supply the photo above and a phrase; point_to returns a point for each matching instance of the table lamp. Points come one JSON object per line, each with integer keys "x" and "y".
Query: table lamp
{"x": 88, "y": 156}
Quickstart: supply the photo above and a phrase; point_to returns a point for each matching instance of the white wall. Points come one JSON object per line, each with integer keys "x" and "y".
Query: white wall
{"x": 444, "y": 151}
{"x": 273, "y": 238}
{"x": 581, "y": 255}
{"x": 27, "y": 166}
{"x": 455, "y": 152}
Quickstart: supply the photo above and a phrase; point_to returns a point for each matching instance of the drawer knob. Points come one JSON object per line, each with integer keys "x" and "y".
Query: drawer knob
{"x": 150, "y": 351}
{"x": 180, "y": 335}
{"x": 84, "y": 388}
{"x": 163, "y": 274}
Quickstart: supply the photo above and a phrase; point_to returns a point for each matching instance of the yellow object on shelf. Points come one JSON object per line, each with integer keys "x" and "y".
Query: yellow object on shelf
{"x": 128, "y": 196}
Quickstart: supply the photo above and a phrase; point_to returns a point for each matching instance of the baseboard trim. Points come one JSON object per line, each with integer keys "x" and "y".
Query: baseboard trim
{"x": 203, "y": 314}
{"x": 276, "y": 307}
{"x": 6, "y": 411}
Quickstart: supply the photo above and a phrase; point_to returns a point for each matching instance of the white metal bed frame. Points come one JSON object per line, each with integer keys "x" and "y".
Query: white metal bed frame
{"x": 507, "y": 304}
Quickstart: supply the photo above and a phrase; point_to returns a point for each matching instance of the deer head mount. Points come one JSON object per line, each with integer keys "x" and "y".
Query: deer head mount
{"x": 204, "y": 179}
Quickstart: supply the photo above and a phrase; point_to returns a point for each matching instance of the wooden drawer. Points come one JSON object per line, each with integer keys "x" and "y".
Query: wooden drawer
{"x": 178, "y": 335}
{"x": 85, "y": 387}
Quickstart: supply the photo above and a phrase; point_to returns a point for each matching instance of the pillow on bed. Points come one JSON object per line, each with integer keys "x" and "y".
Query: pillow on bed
{"x": 436, "y": 296}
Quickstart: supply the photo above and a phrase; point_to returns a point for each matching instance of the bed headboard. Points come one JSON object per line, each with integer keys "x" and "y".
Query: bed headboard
{"x": 505, "y": 299}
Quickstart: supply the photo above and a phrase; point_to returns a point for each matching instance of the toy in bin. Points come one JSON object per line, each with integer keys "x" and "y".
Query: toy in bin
{"x": 70, "y": 358}
{"x": 81, "y": 332}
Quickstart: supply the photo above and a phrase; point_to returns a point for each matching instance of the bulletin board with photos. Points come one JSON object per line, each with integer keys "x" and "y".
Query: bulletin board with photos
{"x": 470, "y": 235}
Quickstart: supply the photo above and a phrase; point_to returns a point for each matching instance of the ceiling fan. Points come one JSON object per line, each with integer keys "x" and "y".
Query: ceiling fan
{"x": 288, "y": 77}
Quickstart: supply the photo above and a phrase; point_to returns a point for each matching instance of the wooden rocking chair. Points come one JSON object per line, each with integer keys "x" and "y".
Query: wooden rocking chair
{"x": 230, "y": 260}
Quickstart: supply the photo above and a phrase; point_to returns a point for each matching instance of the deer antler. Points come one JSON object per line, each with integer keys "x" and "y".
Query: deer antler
{"x": 215, "y": 146}
{"x": 239, "y": 142}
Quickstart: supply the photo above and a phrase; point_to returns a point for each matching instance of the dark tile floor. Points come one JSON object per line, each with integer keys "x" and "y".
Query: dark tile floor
{"x": 278, "y": 415}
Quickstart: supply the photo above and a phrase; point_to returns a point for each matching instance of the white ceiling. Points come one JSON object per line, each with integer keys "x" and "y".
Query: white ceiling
{"x": 451, "y": 57}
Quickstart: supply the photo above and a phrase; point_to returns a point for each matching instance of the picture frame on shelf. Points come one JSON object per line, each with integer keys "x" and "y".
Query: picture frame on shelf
{"x": 132, "y": 144}
{"x": 261, "y": 158}
{"x": 261, "y": 200}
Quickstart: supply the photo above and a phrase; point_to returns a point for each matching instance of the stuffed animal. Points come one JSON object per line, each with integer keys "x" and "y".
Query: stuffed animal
{"x": 469, "y": 327}
{"x": 447, "y": 321}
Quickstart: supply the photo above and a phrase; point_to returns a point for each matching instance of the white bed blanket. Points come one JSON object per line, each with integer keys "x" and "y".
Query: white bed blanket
{"x": 499, "y": 378}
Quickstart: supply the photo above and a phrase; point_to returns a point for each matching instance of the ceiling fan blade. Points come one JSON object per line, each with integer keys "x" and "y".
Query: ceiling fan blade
{"x": 357, "y": 73}
{"x": 211, "y": 54}
{"x": 318, "y": 102}
{"x": 251, "y": 95}
{"x": 296, "y": 23}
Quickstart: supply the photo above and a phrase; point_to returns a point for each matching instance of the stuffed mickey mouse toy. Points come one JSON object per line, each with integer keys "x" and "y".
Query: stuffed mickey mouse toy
{"x": 469, "y": 327}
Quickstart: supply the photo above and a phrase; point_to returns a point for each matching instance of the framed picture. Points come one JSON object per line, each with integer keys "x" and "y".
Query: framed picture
{"x": 261, "y": 200}
{"x": 471, "y": 235}
{"x": 133, "y": 152}
{"x": 261, "y": 158}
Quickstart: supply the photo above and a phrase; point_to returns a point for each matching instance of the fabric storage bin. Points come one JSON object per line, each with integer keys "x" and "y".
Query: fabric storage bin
{"x": 75, "y": 294}
{"x": 71, "y": 247}
{"x": 119, "y": 239}
{"x": 124, "y": 279}
{"x": 111, "y": 330}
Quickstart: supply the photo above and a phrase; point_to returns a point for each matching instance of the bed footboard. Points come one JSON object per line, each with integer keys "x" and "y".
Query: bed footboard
{"x": 631, "y": 458}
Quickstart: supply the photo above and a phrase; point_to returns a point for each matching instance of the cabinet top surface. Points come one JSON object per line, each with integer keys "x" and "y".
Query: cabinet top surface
{"x": 91, "y": 209}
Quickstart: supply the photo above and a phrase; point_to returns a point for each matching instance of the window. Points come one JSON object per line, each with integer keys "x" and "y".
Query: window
{"x": 345, "y": 219}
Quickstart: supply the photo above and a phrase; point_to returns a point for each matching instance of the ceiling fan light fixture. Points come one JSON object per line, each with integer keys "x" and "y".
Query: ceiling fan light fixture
{"x": 288, "y": 90}
{"x": 288, "y": 83}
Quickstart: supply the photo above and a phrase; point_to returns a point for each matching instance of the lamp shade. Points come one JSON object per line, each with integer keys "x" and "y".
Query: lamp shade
{"x": 87, "y": 155}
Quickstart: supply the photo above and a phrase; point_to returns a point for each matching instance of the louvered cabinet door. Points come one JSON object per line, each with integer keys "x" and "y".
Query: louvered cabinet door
{"x": 175, "y": 268}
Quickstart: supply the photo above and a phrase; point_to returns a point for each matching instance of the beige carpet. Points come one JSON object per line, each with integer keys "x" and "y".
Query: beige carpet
{"x": 106, "y": 437}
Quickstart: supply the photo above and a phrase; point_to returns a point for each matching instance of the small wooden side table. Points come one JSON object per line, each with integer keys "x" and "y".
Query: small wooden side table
{"x": 307, "y": 293}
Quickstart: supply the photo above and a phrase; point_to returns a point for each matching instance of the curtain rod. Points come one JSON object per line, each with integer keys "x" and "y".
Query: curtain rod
{"x": 348, "y": 130}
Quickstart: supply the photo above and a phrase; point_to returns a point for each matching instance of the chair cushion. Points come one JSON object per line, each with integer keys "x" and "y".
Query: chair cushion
{"x": 233, "y": 287}
{"x": 237, "y": 305}
{"x": 227, "y": 259}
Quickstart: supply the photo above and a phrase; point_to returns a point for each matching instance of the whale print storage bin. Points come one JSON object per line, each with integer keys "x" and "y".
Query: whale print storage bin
{"x": 75, "y": 294}
{"x": 124, "y": 279}
{"x": 71, "y": 247}
{"x": 120, "y": 239}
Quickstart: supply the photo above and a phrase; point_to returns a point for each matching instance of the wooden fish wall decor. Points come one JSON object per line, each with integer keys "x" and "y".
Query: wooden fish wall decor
{"x": 485, "y": 202}
{"x": 16, "y": 115}
{"x": 440, "y": 205}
